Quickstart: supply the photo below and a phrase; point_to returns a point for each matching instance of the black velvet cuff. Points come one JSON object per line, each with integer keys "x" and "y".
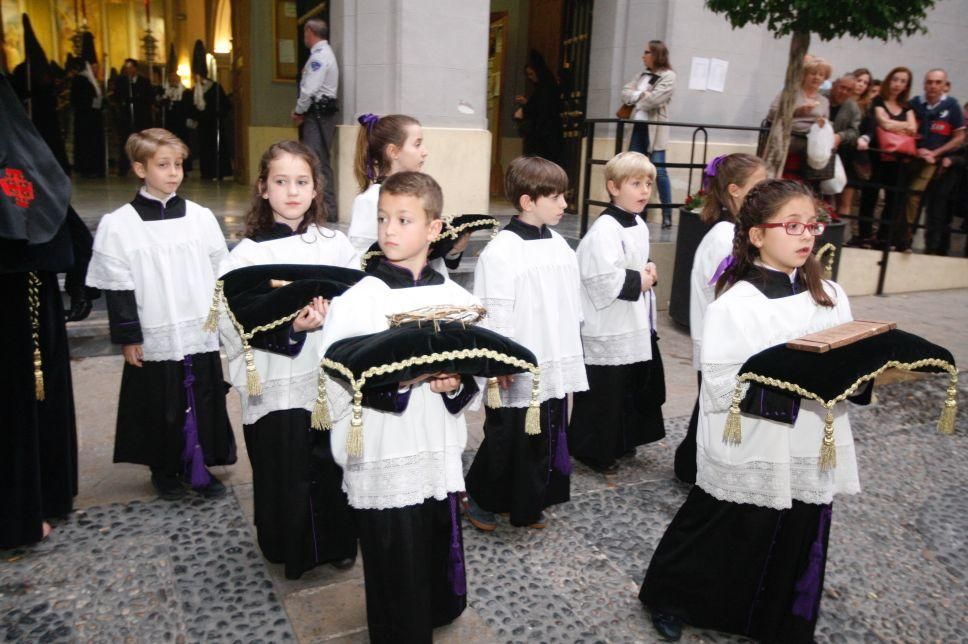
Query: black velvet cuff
{"x": 453, "y": 263}
{"x": 781, "y": 407}
{"x": 632, "y": 289}
{"x": 387, "y": 398}
{"x": 468, "y": 388}
{"x": 282, "y": 341}
{"x": 125, "y": 327}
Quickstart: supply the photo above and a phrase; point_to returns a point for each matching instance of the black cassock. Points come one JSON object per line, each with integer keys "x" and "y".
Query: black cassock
{"x": 40, "y": 93}
{"x": 214, "y": 134}
{"x": 134, "y": 99}
{"x": 38, "y": 443}
{"x": 176, "y": 110}
{"x": 89, "y": 159}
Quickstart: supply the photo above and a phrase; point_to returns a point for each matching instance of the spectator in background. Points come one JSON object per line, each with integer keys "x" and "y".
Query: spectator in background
{"x": 810, "y": 107}
{"x": 539, "y": 115}
{"x": 859, "y": 168}
{"x": 845, "y": 119}
{"x": 891, "y": 112}
{"x": 941, "y": 133}
{"x": 650, "y": 92}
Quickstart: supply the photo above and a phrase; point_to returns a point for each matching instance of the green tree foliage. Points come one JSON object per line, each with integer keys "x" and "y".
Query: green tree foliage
{"x": 828, "y": 19}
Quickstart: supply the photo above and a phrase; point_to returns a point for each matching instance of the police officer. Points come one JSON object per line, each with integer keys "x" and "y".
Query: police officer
{"x": 316, "y": 108}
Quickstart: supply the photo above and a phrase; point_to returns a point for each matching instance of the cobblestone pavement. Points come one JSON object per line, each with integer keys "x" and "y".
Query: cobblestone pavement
{"x": 191, "y": 572}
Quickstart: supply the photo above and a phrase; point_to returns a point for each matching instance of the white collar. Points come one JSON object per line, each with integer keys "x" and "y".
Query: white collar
{"x": 147, "y": 195}
{"x": 931, "y": 106}
{"x": 318, "y": 46}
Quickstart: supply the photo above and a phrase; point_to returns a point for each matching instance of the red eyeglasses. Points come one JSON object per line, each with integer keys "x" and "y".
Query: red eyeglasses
{"x": 797, "y": 227}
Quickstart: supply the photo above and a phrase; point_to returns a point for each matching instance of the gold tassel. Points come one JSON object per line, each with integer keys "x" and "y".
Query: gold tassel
{"x": 493, "y": 394}
{"x": 38, "y": 376}
{"x": 946, "y": 423}
{"x": 532, "y": 418}
{"x": 321, "y": 419}
{"x": 211, "y": 324}
{"x": 733, "y": 430}
{"x": 252, "y": 382}
{"x": 33, "y": 301}
{"x": 354, "y": 441}
{"x": 828, "y": 450}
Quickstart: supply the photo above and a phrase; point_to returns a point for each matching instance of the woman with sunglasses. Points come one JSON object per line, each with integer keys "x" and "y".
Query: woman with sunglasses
{"x": 746, "y": 552}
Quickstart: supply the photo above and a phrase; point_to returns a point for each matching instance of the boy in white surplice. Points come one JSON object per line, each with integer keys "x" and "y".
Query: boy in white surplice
{"x": 527, "y": 278}
{"x": 404, "y": 486}
{"x": 156, "y": 259}
{"x": 621, "y": 408}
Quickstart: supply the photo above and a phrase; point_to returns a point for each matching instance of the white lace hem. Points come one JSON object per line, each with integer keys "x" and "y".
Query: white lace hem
{"x": 604, "y": 289}
{"x": 719, "y": 382}
{"x": 404, "y": 481}
{"x": 776, "y": 485}
{"x": 175, "y": 341}
{"x": 558, "y": 379}
{"x": 298, "y": 392}
{"x": 612, "y": 350}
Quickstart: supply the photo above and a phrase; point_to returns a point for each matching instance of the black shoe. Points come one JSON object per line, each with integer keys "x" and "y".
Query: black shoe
{"x": 629, "y": 454}
{"x": 168, "y": 486}
{"x": 343, "y": 564}
{"x": 214, "y": 490}
{"x": 609, "y": 469}
{"x": 669, "y": 627}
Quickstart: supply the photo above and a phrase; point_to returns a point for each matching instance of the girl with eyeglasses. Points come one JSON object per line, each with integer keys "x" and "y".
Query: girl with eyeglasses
{"x": 746, "y": 552}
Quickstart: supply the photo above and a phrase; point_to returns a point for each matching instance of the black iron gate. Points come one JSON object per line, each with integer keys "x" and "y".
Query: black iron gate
{"x": 576, "y": 35}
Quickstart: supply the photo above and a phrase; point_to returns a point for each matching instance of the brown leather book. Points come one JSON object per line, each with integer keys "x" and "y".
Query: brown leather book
{"x": 840, "y": 335}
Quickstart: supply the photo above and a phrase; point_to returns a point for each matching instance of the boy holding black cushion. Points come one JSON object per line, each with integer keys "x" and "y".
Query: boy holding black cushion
{"x": 403, "y": 484}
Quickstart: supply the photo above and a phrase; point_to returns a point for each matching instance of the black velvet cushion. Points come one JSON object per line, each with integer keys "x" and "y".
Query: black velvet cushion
{"x": 413, "y": 340}
{"x": 830, "y": 374}
{"x": 441, "y": 246}
{"x": 254, "y": 302}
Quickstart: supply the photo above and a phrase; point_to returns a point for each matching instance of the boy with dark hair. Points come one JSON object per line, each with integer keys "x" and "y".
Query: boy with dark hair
{"x": 528, "y": 280}
{"x": 403, "y": 487}
{"x": 156, "y": 259}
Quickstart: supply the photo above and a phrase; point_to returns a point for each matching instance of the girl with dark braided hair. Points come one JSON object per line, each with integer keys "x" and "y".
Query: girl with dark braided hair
{"x": 746, "y": 552}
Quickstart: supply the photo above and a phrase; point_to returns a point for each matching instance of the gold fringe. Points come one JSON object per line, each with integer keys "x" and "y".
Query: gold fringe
{"x": 946, "y": 423}
{"x": 321, "y": 419}
{"x": 733, "y": 430}
{"x": 828, "y": 450}
{"x": 830, "y": 251}
{"x": 211, "y": 323}
{"x": 354, "y": 441}
{"x": 38, "y": 376}
{"x": 253, "y": 383}
{"x": 33, "y": 302}
{"x": 493, "y": 394}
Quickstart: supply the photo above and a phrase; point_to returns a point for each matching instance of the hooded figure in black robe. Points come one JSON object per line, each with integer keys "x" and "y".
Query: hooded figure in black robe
{"x": 212, "y": 109}
{"x": 40, "y": 236}
{"x": 35, "y": 84}
{"x": 87, "y": 100}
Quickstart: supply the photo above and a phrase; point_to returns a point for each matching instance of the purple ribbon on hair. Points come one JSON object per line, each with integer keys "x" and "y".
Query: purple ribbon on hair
{"x": 711, "y": 168}
{"x": 368, "y": 120}
{"x": 723, "y": 265}
{"x": 193, "y": 459}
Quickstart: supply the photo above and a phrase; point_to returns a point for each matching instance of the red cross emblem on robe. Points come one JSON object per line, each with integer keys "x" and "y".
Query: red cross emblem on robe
{"x": 18, "y": 188}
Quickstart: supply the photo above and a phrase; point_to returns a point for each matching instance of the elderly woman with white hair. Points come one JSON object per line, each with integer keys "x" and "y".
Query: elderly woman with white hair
{"x": 810, "y": 107}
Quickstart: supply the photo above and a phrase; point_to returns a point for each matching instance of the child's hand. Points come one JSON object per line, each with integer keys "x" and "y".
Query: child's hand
{"x": 649, "y": 277}
{"x": 133, "y": 354}
{"x": 460, "y": 245}
{"x": 444, "y": 383}
{"x": 310, "y": 317}
{"x": 504, "y": 382}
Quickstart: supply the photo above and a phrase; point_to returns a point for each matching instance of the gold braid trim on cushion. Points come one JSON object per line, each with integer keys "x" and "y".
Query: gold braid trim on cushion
{"x": 368, "y": 256}
{"x": 828, "y": 453}
{"x": 354, "y": 442}
{"x": 253, "y": 383}
{"x": 457, "y": 231}
{"x": 830, "y": 251}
